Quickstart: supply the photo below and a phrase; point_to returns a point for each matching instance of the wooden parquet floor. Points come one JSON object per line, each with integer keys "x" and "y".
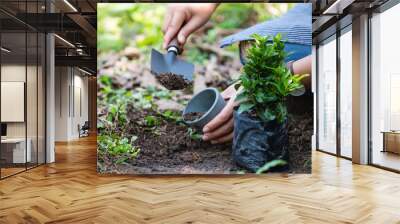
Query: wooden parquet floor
{"x": 70, "y": 191}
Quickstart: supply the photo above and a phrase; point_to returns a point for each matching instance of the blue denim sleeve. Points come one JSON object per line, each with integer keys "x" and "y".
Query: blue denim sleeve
{"x": 297, "y": 51}
{"x": 295, "y": 27}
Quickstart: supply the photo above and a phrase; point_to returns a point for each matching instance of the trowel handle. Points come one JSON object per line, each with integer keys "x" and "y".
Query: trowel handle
{"x": 174, "y": 46}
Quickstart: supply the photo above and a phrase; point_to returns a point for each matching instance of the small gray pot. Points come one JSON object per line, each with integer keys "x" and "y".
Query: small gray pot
{"x": 209, "y": 101}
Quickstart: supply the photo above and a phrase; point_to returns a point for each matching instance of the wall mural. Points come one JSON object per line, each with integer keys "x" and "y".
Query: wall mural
{"x": 173, "y": 103}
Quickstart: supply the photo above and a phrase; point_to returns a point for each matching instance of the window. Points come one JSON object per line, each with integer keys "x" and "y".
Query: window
{"x": 346, "y": 74}
{"x": 385, "y": 89}
{"x": 22, "y": 77}
{"x": 327, "y": 96}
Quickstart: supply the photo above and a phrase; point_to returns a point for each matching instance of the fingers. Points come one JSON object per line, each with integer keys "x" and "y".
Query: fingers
{"x": 167, "y": 20}
{"x": 229, "y": 92}
{"x": 223, "y": 139}
{"x": 222, "y": 117}
{"x": 188, "y": 28}
{"x": 173, "y": 27}
{"x": 220, "y": 131}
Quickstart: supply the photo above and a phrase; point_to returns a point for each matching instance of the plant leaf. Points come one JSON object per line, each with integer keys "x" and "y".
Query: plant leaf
{"x": 267, "y": 166}
{"x": 244, "y": 107}
{"x": 241, "y": 97}
{"x": 268, "y": 114}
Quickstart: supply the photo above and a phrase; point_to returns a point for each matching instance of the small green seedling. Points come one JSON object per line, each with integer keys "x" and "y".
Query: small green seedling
{"x": 121, "y": 148}
{"x": 151, "y": 121}
{"x": 171, "y": 115}
{"x": 194, "y": 134}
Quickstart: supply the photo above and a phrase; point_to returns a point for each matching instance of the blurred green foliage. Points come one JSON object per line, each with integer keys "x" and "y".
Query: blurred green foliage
{"x": 231, "y": 16}
{"x": 138, "y": 25}
{"x": 129, "y": 24}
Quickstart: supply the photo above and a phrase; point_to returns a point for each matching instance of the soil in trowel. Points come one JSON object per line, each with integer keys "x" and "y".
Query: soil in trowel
{"x": 192, "y": 116}
{"x": 173, "y": 81}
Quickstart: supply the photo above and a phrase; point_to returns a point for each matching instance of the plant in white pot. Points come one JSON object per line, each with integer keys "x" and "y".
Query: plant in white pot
{"x": 260, "y": 120}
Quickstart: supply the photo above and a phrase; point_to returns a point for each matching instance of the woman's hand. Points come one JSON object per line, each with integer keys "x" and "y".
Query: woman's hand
{"x": 182, "y": 19}
{"x": 220, "y": 129}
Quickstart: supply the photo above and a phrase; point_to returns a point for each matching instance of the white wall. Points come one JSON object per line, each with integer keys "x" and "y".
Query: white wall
{"x": 71, "y": 93}
{"x": 13, "y": 73}
{"x": 80, "y": 100}
{"x": 12, "y": 101}
{"x": 62, "y": 81}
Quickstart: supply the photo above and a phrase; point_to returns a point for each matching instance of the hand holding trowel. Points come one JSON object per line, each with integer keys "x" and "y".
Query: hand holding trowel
{"x": 171, "y": 72}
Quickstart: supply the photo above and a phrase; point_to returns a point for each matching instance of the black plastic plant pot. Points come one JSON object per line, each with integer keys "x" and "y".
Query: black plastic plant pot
{"x": 256, "y": 142}
{"x": 207, "y": 103}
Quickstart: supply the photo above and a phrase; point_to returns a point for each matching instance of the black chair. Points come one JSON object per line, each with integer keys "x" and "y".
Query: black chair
{"x": 84, "y": 130}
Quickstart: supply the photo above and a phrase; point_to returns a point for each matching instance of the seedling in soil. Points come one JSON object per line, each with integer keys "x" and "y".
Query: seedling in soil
{"x": 117, "y": 114}
{"x": 157, "y": 93}
{"x": 144, "y": 98}
{"x": 121, "y": 148}
{"x": 194, "y": 134}
{"x": 171, "y": 115}
{"x": 266, "y": 81}
{"x": 151, "y": 121}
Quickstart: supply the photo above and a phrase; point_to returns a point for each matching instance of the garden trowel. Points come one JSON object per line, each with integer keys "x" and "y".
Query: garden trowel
{"x": 169, "y": 65}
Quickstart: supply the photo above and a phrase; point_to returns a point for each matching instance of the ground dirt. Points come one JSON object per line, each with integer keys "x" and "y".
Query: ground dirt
{"x": 170, "y": 149}
{"x": 300, "y": 132}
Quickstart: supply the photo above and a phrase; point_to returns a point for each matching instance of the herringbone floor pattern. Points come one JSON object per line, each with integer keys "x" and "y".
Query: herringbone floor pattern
{"x": 70, "y": 191}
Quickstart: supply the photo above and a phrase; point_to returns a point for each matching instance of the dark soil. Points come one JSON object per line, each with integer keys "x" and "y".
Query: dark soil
{"x": 300, "y": 133}
{"x": 192, "y": 116}
{"x": 169, "y": 149}
{"x": 173, "y": 81}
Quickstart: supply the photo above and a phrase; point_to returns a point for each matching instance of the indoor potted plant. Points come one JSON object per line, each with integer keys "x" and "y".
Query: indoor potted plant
{"x": 260, "y": 120}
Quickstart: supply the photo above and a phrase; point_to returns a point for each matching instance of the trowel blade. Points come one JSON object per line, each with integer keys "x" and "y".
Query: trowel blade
{"x": 181, "y": 67}
{"x": 158, "y": 64}
{"x": 178, "y": 66}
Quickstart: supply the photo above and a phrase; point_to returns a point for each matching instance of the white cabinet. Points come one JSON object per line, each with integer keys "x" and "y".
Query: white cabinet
{"x": 18, "y": 149}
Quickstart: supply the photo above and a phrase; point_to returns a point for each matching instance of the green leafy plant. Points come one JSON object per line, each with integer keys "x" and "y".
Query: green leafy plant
{"x": 266, "y": 82}
{"x": 121, "y": 148}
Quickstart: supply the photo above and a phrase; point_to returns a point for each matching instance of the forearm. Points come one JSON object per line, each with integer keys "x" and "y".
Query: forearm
{"x": 303, "y": 66}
